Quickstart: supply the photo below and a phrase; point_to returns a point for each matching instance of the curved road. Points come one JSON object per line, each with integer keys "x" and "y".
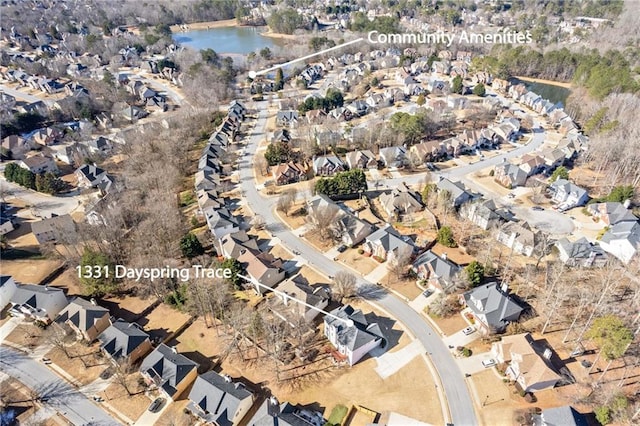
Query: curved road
{"x": 459, "y": 400}
{"x": 60, "y": 396}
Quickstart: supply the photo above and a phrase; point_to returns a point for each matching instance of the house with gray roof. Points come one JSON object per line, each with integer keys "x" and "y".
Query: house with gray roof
{"x": 298, "y": 287}
{"x": 387, "y": 243}
{"x": 89, "y": 175}
{"x": 287, "y": 118}
{"x": 401, "y": 201}
{"x": 328, "y": 165}
{"x": 352, "y": 230}
{"x": 362, "y": 159}
{"x": 437, "y": 271}
{"x": 393, "y": 157}
{"x": 219, "y": 400}
{"x": 560, "y": 416}
{"x": 85, "y": 318}
{"x": 581, "y": 253}
{"x": 40, "y": 303}
{"x": 351, "y": 334}
{"x": 124, "y": 341}
{"x": 567, "y": 194}
{"x": 7, "y": 289}
{"x": 492, "y": 307}
{"x": 484, "y": 213}
{"x": 520, "y": 237}
{"x": 457, "y": 190}
{"x": 509, "y": 175}
{"x": 53, "y": 229}
{"x": 622, "y": 240}
{"x": 272, "y": 413}
{"x": 220, "y": 221}
{"x": 611, "y": 213}
{"x": 169, "y": 371}
{"x": 233, "y": 244}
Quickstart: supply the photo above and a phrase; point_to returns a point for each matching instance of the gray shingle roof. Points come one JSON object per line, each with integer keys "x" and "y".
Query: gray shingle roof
{"x": 121, "y": 339}
{"x": 496, "y": 307}
{"x": 217, "y": 398}
{"x": 563, "y": 416}
{"x": 167, "y": 367}
{"x": 82, "y": 314}
{"x": 357, "y": 336}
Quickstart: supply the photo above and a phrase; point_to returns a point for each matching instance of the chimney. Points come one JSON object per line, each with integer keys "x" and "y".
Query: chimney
{"x": 174, "y": 350}
{"x": 626, "y": 203}
{"x": 505, "y": 288}
{"x": 227, "y": 378}
{"x": 273, "y": 400}
{"x": 93, "y": 301}
{"x": 444, "y": 256}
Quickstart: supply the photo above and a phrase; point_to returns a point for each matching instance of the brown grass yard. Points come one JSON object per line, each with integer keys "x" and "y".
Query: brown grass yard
{"x": 26, "y": 334}
{"x": 295, "y": 219}
{"x": 29, "y": 271}
{"x": 406, "y": 286}
{"x": 17, "y": 396}
{"x": 450, "y": 325}
{"x": 175, "y": 415}
{"x": 279, "y": 251}
{"x": 128, "y": 308}
{"x": 313, "y": 276}
{"x": 69, "y": 282}
{"x": 163, "y": 321}
{"x": 84, "y": 365}
{"x": 359, "y": 262}
{"x": 313, "y": 237}
{"x": 132, "y": 406}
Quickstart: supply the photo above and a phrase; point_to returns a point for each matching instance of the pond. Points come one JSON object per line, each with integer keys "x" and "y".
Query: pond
{"x": 548, "y": 91}
{"x": 228, "y": 40}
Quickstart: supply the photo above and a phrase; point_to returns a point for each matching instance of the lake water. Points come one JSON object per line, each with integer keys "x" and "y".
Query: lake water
{"x": 551, "y": 92}
{"x": 235, "y": 40}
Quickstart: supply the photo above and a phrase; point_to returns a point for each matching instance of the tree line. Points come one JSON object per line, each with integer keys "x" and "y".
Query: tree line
{"x": 47, "y": 183}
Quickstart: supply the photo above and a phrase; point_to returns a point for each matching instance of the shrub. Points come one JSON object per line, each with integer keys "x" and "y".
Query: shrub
{"x": 521, "y": 392}
{"x": 492, "y": 172}
{"x": 360, "y": 251}
{"x": 190, "y": 246}
{"x": 379, "y": 259}
{"x": 466, "y": 352}
{"x": 445, "y": 237}
{"x": 603, "y": 415}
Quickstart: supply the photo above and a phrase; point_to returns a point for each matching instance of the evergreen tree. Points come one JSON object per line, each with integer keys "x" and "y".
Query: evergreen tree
{"x": 479, "y": 90}
{"x": 190, "y": 246}
{"x": 456, "y": 86}
{"x": 279, "y": 81}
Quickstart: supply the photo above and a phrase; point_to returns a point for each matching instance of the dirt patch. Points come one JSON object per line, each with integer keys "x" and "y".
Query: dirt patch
{"x": 163, "y": 321}
{"x": 132, "y": 406}
{"x": 358, "y": 417}
{"x": 69, "y": 282}
{"x": 29, "y": 271}
{"x": 83, "y": 362}
{"x": 192, "y": 341}
{"x": 359, "y": 262}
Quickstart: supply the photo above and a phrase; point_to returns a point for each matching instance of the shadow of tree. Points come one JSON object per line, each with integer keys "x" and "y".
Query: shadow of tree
{"x": 370, "y": 292}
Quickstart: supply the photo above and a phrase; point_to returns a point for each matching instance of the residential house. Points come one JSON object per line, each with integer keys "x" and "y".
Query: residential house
{"x": 483, "y": 213}
{"x": 532, "y": 164}
{"x": 219, "y": 400}
{"x": 560, "y": 416}
{"x": 85, "y": 318}
{"x": 351, "y": 229}
{"x": 351, "y": 334}
{"x": 232, "y": 245}
{"x": 124, "y": 342}
{"x": 40, "y": 303}
{"x": 393, "y": 157}
{"x": 272, "y": 413}
{"x": 457, "y": 191}
{"x": 581, "y": 253}
{"x": 529, "y": 362}
{"x": 520, "y": 237}
{"x": 362, "y": 159}
{"x": 287, "y": 118}
{"x": 54, "y": 229}
{"x": 220, "y": 221}
{"x": 39, "y": 163}
{"x": 210, "y": 199}
{"x": 316, "y": 116}
{"x": 401, "y": 201}
{"x": 438, "y": 271}
{"x": 8, "y": 288}
{"x": 298, "y": 287}
{"x": 553, "y": 159}
{"x": 133, "y": 113}
{"x": 281, "y": 135}
{"x": 290, "y": 172}
{"x": 6, "y": 224}
{"x": 509, "y": 175}
{"x": 17, "y": 145}
{"x": 622, "y": 240}
{"x": 262, "y": 267}
{"x": 100, "y": 145}
{"x": 611, "y": 213}
{"x": 170, "y": 371}
{"x": 387, "y": 243}
{"x": 492, "y": 307}
{"x": 89, "y": 175}
{"x": 567, "y": 195}
{"x": 427, "y": 152}
{"x": 328, "y": 165}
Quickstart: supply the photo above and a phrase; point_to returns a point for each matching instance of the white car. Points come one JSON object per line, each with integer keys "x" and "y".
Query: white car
{"x": 467, "y": 331}
{"x": 489, "y": 363}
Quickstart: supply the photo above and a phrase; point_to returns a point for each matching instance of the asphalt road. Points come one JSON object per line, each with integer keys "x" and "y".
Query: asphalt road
{"x": 41, "y": 204}
{"x": 19, "y": 94}
{"x": 455, "y": 388}
{"x": 59, "y": 395}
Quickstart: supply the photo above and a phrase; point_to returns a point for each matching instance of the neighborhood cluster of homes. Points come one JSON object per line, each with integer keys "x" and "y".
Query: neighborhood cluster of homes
{"x": 213, "y": 399}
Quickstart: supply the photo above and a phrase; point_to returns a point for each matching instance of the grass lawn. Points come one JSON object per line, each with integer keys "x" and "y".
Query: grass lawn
{"x": 132, "y": 406}
{"x": 163, "y": 321}
{"x": 359, "y": 262}
{"x": 28, "y": 271}
{"x": 295, "y": 219}
{"x": 406, "y": 286}
{"x": 84, "y": 365}
{"x": 27, "y": 335}
{"x": 337, "y": 415}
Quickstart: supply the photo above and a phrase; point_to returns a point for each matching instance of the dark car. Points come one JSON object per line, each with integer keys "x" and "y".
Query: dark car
{"x": 427, "y": 293}
{"x": 537, "y": 208}
{"x": 156, "y": 405}
{"x": 342, "y": 248}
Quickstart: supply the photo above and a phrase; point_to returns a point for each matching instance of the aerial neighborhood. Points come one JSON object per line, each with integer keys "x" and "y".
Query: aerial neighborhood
{"x": 316, "y": 226}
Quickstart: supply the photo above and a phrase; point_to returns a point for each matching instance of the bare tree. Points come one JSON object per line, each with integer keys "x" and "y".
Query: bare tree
{"x": 344, "y": 285}
{"x": 322, "y": 220}
{"x": 399, "y": 262}
{"x": 56, "y": 336}
{"x": 286, "y": 200}
{"x": 258, "y": 222}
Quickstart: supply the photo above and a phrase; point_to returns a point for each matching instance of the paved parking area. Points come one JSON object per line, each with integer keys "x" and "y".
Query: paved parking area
{"x": 391, "y": 363}
{"x": 473, "y": 364}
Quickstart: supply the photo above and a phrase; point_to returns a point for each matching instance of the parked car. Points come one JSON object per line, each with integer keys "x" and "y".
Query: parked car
{"x": 156, "y": 405}
{"x": 342, "y": 248}
{"x": 46, "y": 360}
{"x": 537, "y": 208}
{"x": 489, "y": 363}
{"x": 428, "y": 292}
{"x": 467, "y": 331}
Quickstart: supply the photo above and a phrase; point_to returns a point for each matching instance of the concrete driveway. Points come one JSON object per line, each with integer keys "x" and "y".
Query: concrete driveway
{"x": 461, "y": 339}
{"x": 473, "y": 364}
{"x": 390, "y": 363}
{"x": 545, "y": 220}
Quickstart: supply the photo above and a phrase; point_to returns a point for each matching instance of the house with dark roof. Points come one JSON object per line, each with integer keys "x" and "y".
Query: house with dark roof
{"x": 437, "y": 271}
{"x": 298, "y": 287}
{"x": 220, "y": 221}
{"x": 89, "y": 175}
{"x": 124, "y": 341}
{"x": 347, "y": 225}
{"x": 529, "y": 362}
{"x": 483, "y": 213}
{"x": 622, "y": 240}
{"x": 351, "y": 334}
{"x": 286, "y": 173}
{"x": 492, "y": 307}
{"x": 40, "y": 303}
{"x": 219, "y": 400}
{"x": 85, "y": 318}
{"x": 39, "y": 163}
{"x": 581, "y": 253}
{"x": 53, "y": 229}
{"x": 169, "y": 371}
{"x": 287, "y": 118}
{"x": 393, "y": 156}
{"x": 233, "y": 244}
{"x": 272, "y": 413}
{"x": 7, "y": 288}
{"x": 362, "y": 159}
{"x": 560, "y": 416}
{"x": 387, "y": 243}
